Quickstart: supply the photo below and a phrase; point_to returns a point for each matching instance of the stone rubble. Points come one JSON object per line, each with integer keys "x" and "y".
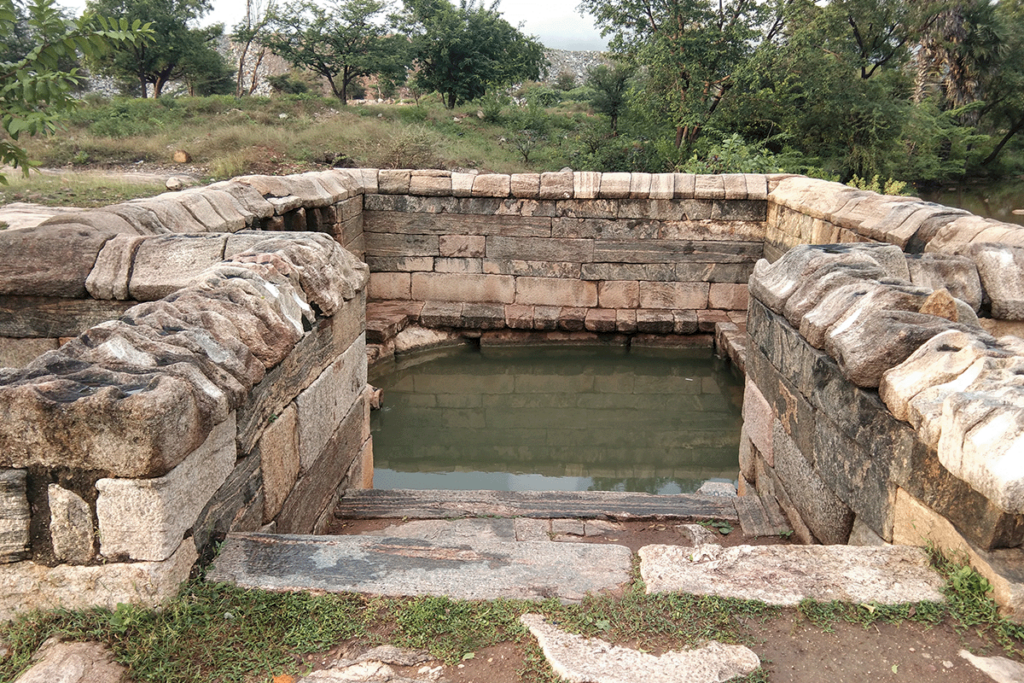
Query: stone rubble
{"x": 591, "y": 660}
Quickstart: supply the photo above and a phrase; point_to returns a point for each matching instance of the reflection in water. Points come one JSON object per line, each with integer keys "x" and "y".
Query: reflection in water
{"x": 557, "y": 419}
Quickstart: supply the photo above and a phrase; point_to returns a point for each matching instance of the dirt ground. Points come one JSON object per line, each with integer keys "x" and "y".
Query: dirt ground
{"x": 792, "y": 650}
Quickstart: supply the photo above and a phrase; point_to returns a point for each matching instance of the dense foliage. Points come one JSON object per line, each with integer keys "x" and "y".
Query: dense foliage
{"x": 181, "y": 51}
{"x": 36, "y": 82}
{"x": 924, "y": 91}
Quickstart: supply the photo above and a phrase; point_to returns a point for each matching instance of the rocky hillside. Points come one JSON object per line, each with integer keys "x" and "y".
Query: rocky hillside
{"x": 577, "y": 63}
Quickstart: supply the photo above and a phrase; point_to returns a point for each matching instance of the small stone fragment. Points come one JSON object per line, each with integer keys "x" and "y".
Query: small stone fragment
{"x": 999, "y": 669}
{"x": 591, "y": 660}
{"x": 59, "y": 662}
{"x": 696, "y": 534}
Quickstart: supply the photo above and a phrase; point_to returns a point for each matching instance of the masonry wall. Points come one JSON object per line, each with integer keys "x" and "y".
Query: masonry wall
{"x": 613, "y": 252}
{"x": 215, "y": 382}
{"x": 211, "y": 366}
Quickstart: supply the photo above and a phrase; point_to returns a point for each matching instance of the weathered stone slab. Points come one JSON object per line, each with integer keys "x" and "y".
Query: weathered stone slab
{"x": 709, "y": 187}
{"x": 463, "y": 287}
{"x": 236, "y": 506}
{"x": 485, "y": 570}
{"x": 982, "y": 438}
{"x": 787, "y": 574}
{"x": 813, "y": 197}
{"x": 828, "y": 517}
{"x": 582, "y": 660}
{"x": 401, "y": 245}
{"x": 306, "y": 361}
{"x": 50, "y": 260}
{"x": 385, "y": 286}
{"x": 147, "y": 518}
{"x": 15, "y": 516}
{"x": 586, "y": 184}
{"x": 663, "y": 186}
{"x": 525, "y": 185}
{"x": 57, "y": 662}
{"x": 674, "y": 295}
{"x": 430, "y": 183}
{"x": 918, "y": 525}
{"x": 879, "y": 340}
{"x": 29, "y": 586}
{"x": 550, "y": 249}
{"x": 453, "y": 531}
{"x": 379, "y": 203}
{"x": 17, "y": 353}
{"x": 614, "y": 185}
{"x": 34, "y": 316}
{"x": 381, "y": 224}
{"x": 143, "y": 219}
{"x": 71, "y": 527}
{"x": 393, "y": 181}
{"x": 685, "y": 185}
{"x": 317, "y": 488}
{"x": 958, "y": 233}
{"x": 604, "y": 228}
{"x": 165, "y": 264}
{"x": 492, "y": 185}
{"x": 656, "y": 272}
{"x": 534, "y": 504}
{"x": 1000, "y": 269}
{"x": 556, "y": 185}
{"x": 540, "y": 291}
{"x": 615, "y": 294}
{"x": 940, "y": 360}
{"x": 322, "y": 406}
{"x": 673, "y": 251}
{"x": 109, "y": 277}
{"x": 247, "y": 196}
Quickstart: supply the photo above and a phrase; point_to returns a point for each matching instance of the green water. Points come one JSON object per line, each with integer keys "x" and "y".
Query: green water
{"x": 997, "y": 200}
{"x": 557, "y": 419}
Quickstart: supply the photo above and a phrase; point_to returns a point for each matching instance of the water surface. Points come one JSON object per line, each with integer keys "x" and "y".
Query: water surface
{"x": 557, "y": 419}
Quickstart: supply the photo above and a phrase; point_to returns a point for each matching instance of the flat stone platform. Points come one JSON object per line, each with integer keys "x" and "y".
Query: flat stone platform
{"x": 485, "y": 569}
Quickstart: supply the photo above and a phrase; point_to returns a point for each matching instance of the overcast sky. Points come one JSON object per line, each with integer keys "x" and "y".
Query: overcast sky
{"x": 555, "y": 22}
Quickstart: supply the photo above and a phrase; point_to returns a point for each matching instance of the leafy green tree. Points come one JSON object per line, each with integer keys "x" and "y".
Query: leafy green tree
{"x": 179, "y": 50}
{"x": 463, "y": 51}
{"x": 35, "y": 92}
{"x": 251, "y": 33}
{"x": 343, "y": 44}
{"x": 611, "y": 88}
{"x": 691, "y": 50}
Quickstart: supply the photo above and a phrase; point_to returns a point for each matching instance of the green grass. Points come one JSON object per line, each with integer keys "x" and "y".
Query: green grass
{"x": 219, "y": 632}
{"x": 73, "y": 189}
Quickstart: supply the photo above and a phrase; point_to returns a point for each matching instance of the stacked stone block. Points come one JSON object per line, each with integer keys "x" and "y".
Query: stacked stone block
{"x": 612, "y": 252}
{"x": 219, "y": 385}
{"x": 877, "y": 404}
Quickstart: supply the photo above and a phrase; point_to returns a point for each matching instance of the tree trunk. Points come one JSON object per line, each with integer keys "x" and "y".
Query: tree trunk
{"x": 1016, "y": 128}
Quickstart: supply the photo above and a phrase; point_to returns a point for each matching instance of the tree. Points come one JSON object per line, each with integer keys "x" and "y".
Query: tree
{"x": 251, "y": 34}
{"x": 35, "y": 92}
{"x": 181, "y": 49}
{"x": 344, "y": 44}
{"x": 462, "y": 51}
{"x": 690, "y": 49}
{"x": 611, "y": 87}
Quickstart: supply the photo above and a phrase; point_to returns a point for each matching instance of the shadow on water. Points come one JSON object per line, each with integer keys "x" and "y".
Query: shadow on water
{"x": 557, "y": 419}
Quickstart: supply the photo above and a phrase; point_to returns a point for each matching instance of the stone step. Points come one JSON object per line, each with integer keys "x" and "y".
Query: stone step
{"x": 399, "y": 503}
{"x": 787, "y": 574}
{"x": 481, "y": 569}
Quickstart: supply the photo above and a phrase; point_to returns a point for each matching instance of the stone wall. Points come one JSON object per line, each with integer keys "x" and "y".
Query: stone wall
{"x": 211, "y": 366}
{"x": 879, "y": 407}
{"x": 605, "y": 253}
{"x": 210, "y": 378}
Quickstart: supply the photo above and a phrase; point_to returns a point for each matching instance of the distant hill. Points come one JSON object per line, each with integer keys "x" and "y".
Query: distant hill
{"x": 577, "y": 63}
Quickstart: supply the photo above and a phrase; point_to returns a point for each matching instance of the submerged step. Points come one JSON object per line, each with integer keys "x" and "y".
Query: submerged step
{"x": 401, "y": 503}
{"x": 786, "y": 574}
{"x": 485, "y": 569}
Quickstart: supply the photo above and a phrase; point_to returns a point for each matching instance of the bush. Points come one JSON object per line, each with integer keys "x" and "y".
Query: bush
{"x": 492, "y": 104}
{"x": 566, "y": 81}
{"x": 286, "y": 84}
